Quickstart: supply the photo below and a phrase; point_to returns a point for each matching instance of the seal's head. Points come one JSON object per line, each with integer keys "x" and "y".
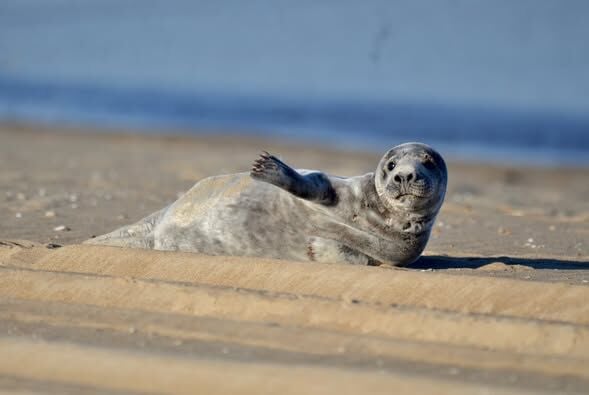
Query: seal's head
{"x": 412, "y": 177}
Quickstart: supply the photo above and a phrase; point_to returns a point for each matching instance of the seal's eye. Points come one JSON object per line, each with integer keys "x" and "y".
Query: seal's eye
{"x": 391, "y": 166}
{"x": 429, "y": 163}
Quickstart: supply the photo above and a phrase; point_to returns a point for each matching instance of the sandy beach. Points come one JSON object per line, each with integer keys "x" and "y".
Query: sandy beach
{"x": 497, "y": 304}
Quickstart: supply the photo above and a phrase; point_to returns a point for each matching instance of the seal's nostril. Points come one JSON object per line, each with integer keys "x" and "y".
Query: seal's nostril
{"x": 409, "y": 177}
{"x": 397, "y": 179}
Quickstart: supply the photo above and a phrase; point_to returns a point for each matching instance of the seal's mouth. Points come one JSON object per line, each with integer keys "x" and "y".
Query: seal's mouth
{"x": 401, "y": 195}
{"x": 411, "y": 195}
{"x": 407, "y": 198}
{"x": 416, "y": 192}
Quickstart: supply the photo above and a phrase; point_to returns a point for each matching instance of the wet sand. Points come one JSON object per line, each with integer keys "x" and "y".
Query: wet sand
{"x": 498, "y": 303}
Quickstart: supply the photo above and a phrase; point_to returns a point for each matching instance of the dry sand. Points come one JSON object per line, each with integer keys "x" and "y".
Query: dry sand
{"x": 498, "y": 304}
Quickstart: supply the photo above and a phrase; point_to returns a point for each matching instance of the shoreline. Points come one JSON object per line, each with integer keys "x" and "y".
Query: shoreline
{"x": 476, "y": 155}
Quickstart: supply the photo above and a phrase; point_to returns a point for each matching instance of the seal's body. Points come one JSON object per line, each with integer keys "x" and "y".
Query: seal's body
{"x": 278, "y": 212}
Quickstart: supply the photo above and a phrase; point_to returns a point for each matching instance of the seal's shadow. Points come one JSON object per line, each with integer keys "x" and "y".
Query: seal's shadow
{"x": 449, "y": 262}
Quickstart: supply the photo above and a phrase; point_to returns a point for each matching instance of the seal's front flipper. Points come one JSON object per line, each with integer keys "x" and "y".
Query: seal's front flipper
{"x": 315, "y": 187}
{"x": 320, "y": 249}
{"x": 270, "y": 169}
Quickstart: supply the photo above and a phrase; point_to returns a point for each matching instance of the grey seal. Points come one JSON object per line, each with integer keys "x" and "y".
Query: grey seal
{"x": 276, "y": 211}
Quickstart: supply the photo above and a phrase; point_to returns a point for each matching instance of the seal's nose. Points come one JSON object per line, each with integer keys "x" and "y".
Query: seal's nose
{"x": 404, "y": 176}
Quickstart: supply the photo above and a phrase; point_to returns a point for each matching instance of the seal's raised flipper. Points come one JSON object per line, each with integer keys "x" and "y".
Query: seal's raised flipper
{"x": 315, "y": 187}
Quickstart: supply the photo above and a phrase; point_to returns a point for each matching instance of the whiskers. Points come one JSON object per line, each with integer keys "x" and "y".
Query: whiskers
{"x": 418, "y": 189}
{"x": 421, "y": 189}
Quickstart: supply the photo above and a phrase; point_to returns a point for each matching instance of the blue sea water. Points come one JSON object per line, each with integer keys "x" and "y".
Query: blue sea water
{"x": 504, "y": 81}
